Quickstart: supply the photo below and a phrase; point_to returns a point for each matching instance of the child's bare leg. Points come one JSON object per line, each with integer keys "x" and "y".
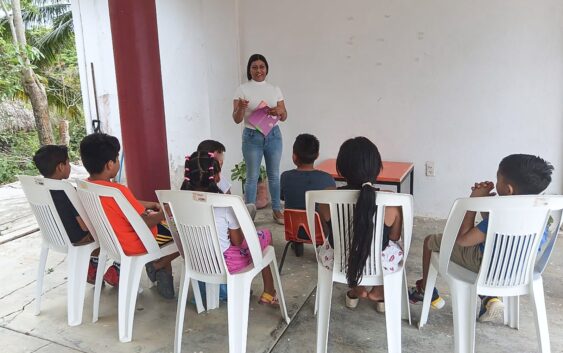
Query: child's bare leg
{"x": 376, "y": 294}
{"x": 165, "y": 262}
{"x": 268, "y": 280}
{"x": 426, "y": 254}
{"x": 358, "y": 292}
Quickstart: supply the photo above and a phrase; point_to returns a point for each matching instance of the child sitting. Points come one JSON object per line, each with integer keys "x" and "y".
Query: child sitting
{"x": 296, "y": 182}
{"x": 100, "y": 153}
{"x": 52, "y": 162}
{"x": 201, "y": 174}
{"x": 218, "y": 150}
{"x": 359, "y": 162}
{"x": 518, "y": 174}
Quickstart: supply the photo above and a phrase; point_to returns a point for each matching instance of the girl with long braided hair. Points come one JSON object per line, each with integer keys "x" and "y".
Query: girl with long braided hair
{"x": 202, "y": 173}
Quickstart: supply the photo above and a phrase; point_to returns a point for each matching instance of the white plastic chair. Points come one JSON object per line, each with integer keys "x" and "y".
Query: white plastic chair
{"x": 204, "y": 261}
{"x": 508, "y": 268}
{"x": 55, "y": 237}
{"x": 131, "y": 266}
{"x": 342, "y": 204}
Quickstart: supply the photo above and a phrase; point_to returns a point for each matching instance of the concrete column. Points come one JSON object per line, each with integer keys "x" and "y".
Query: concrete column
{"x": 139, "y": 85}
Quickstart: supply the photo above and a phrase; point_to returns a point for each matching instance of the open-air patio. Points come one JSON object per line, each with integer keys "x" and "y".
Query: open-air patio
{"x": 359, "y": 330}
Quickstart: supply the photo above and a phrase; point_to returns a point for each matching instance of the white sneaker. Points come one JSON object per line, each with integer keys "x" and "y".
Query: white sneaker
{"x": 493, "y": 311}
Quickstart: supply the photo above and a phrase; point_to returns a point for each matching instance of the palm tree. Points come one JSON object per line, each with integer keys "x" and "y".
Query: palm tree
{"x": 49, "y": 29}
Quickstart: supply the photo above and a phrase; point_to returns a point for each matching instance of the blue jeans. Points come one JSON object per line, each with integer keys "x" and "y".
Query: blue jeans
{"x": 254, "y": 146}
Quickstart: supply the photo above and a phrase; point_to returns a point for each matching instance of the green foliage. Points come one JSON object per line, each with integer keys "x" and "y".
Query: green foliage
{"x": 16, "y": 153}
{"x": 239, "y": 172}
{"x": 10, "y": 82}
{"x": 17, "y": 150}
{"x": 77, "y": 131}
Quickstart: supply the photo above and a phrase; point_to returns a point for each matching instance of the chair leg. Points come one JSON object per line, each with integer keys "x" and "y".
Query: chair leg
{"x": 212, "y": 295}
{"x": 324, "y": 295}
{"x": 197, "y": 297}
{"x": 406, "y": 308}
{"x": 540, "y": 315}
{"x": 102, "y": 258}
{"x": 430, "y": 284}
{"x": 316, "y": 299}
{"x": 129, "y": 278}
{"x": 392, "y": 283}
{"x": 40, "y": 276}
{"x": 237, "y": 307}
{"x": 464, "y": 307}
{"x": 279, "y": 290}
{"x": 181, "y": 310}
{"x": 511, "y": 311}
{"x": 283, "y": 256}
{"x": 78, "y": 259}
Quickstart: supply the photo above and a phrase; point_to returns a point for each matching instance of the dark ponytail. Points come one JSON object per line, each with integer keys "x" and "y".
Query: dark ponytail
{"x": 200, "y": 169}
{"x": 359, "y": 162}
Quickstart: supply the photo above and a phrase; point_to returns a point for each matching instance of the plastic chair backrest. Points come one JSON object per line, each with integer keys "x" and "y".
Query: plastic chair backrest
{"x": 342, "y": 206}
{"x": 37, "y": 191}
{"x": 296, "y": 219}
{"x": 516, "y": 226}
{"x": 556, "y": 215}
{"x": 90, "y": 194}
{"x": 195, "y": 221}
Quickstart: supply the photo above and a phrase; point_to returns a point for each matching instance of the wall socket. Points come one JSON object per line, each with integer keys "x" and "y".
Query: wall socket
{"x": 430, "y": 169}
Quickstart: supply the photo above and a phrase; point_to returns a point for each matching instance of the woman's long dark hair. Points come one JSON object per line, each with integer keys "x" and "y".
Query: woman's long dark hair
{"x": 359, "y": 162}
{"x": 200, "y": 169}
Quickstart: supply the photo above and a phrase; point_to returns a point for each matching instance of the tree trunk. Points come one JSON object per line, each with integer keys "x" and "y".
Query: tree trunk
{"x": 64, "y": 137}
{"x": 31, "y": 85}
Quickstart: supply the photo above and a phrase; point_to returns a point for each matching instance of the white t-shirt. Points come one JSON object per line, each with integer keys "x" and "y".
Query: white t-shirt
{"x": 255, "y": 92}
{"x": 224, "y": 185}
{"x": 225, "y": 219}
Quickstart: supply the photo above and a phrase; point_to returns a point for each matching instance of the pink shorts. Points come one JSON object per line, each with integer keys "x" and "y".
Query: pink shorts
{"x": 238, "y": 257}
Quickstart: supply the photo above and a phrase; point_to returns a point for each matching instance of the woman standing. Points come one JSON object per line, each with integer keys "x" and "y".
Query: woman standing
{"x": 254, "y": 144}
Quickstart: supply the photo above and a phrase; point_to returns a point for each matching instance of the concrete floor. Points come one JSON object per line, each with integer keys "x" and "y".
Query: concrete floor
{"x": 359, "y": 330}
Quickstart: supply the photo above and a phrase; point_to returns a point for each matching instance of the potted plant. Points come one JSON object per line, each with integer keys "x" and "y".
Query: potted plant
{"x": 239, "y": 173}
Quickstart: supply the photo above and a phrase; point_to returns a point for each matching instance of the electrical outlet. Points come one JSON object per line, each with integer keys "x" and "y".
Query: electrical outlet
{"x": 430, "y": 169}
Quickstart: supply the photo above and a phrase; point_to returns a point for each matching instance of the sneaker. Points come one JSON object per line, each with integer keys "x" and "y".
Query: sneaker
{"x": 165, "y": 284}
{"x": 416, "y": 296}
{"x": 351, "y": 303}
{"x": 111, "y": 276}
{"x": 492, "y": 309}
{"x": 92, "y": 269}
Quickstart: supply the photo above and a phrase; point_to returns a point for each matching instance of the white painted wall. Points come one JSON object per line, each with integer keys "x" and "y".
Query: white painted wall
{"x": 94, "y": 45}
{"x": 198, "y": 53}
{"x": 459, "y": 83}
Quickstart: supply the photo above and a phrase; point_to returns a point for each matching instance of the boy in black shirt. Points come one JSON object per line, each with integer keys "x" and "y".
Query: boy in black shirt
{"x": 52, "y": 162}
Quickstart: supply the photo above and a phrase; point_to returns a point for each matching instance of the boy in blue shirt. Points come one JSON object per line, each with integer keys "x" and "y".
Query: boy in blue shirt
{"x": 296, "y": 182}
{"x": 518, "y": 174}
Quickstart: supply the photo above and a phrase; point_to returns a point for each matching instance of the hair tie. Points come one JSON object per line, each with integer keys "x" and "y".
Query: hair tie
{"x": 187, "y": 169}
{"x": 187, "y": 179}
{"x": 187, "y": 158}
{"x": 368, "y": 184}
{"x": 211, "y": 154}
{"x": 211, "y": 177}
{"x": 211, "y": 168}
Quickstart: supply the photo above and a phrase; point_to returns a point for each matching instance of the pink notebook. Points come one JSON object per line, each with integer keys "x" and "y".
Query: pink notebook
{"x": 263, "y": 121}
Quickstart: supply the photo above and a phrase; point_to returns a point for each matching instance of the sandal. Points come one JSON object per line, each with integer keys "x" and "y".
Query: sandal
{"x": 380, "y": 306}
{"x": 351, "y": 303}
{"x": 268, "y": 299}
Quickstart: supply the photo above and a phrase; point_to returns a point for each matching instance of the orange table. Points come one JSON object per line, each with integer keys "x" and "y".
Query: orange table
{"x": 393, "y": 173}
